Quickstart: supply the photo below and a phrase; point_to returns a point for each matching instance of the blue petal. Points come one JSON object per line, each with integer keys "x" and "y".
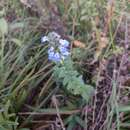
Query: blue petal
{"x": 66, "y": 54}
{"x": 64, "y": 43}
{"x": 50, "y": 50}
{"x": 51, "y": 54}
{"x": 57, "y": 57}
{"x": 44, "y": 39}
{"x": 64, "y": 51}
{"x": 54, "y": 57}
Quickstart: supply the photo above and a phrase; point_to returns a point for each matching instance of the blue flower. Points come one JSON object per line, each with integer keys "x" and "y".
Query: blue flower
{"x": 44, "y": 39}
{"x": 64, "y": 43}
{"x": 51, "y": 49}
{"x": 57, "y": 57}
{"x": 64, "y": 51}
{"x": 51, "y": 54}
{"x": 54, "y": 57}
{"x": 63, "y": 47}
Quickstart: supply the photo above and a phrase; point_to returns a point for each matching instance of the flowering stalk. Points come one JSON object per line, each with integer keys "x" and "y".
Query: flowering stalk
{"x": 64, "y": 72}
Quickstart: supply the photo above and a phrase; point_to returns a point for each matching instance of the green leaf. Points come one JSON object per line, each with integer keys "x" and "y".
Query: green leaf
{"x": 17, "y": 25}
{"x": 3, "y": 26}
{"x": 125, "y": 124}
{"x": 66, "y": 80}
{"x": 68, "y": 120}
{"x": 7, "y": 105}
{"x": 71, "y": 125}
{"x": 124, "y": 108}
{"x": 17, "y": 41}
{"x": 79, "y": 121}
{"x": 62, "y": 74}
{"x": 24, "y": 129}
{"x": 2, "y": 128}
{"x": 72, "y": 80}
{"x": 2, "y": 12}
{"x": 21, "y": 98}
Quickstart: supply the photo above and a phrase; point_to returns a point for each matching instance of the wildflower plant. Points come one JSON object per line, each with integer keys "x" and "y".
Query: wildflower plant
{"x": 64, "y": 72}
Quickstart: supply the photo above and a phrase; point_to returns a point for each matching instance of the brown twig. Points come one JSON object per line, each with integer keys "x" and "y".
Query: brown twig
{"x": 49, "y": 113}
{"x": 58, "y": 112}
{"x": 110, "y": 10}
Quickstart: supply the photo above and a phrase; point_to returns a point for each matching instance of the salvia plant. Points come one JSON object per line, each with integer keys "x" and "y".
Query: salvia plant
{"x": 64, "y": 72}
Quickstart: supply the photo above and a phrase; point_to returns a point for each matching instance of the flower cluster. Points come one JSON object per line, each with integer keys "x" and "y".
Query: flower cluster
{"x": 58, "y": 49}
